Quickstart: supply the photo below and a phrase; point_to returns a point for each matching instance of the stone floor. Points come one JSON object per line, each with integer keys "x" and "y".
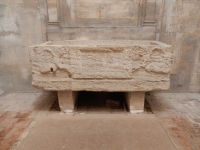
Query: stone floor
{"x": 178, "y": 115}
{"x": 17, "y": 114}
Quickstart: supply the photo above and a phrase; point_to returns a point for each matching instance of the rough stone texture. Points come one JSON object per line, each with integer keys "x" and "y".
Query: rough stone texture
{"x": 171, "y": 22}
{"x": 24, "y": 23}
{"x": 97, "y": 65}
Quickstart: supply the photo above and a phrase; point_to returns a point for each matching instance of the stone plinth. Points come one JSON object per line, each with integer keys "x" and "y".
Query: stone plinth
{"x": 97, "y": 65}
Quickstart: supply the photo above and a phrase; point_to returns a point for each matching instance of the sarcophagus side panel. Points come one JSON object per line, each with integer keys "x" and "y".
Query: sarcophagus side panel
{"x": 140, "y": 67}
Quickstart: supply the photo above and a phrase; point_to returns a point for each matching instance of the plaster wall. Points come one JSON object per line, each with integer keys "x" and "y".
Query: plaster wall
{"x": 180, "y": 27}
{"x": 29, "y": 22}
{"x": 21, "y": 25}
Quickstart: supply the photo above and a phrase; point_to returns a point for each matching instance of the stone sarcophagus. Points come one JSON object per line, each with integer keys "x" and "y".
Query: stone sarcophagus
{"x": 101, "y": 65}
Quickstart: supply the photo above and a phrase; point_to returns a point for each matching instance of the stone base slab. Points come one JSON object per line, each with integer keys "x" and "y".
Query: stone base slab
{"x": 102, "y": 85}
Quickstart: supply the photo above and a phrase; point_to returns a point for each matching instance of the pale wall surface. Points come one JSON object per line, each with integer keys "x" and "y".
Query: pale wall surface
{"x": 180, "y": 27}
{"x": 23, "y": 23}
{"x": 20, "y": 27}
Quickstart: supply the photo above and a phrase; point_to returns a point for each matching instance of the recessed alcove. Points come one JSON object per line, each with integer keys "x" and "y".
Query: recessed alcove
{"x": 101, "y": 102}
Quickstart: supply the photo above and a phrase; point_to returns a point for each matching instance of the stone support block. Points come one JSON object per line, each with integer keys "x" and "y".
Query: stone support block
{"x": 135, "y": 101}
{"x": 67, "y": 101}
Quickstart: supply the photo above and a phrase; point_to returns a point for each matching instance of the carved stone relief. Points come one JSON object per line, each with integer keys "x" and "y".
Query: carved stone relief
{"x": 137, "y": 61}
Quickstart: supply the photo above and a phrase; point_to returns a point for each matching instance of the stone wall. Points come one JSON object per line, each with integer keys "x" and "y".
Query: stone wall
{"x": 181, "y": 28}
{"x": 29, "y": 22}
{"x": 20, "y": 26}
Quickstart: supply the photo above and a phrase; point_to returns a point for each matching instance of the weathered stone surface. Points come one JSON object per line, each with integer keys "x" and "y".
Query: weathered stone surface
{"x": 24, "y": 23}
{"x": 101, "y": 65}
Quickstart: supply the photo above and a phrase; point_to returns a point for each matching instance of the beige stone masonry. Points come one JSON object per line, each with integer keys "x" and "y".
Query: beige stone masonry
{"x": 101, "y": 65}
{"x": 67, "y": 101}
{"x": 135, "y": 101}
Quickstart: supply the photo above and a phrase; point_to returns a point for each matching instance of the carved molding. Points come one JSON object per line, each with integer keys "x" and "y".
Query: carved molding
{"x": 102, "y": 13}
{"x": 99, "y": 13}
